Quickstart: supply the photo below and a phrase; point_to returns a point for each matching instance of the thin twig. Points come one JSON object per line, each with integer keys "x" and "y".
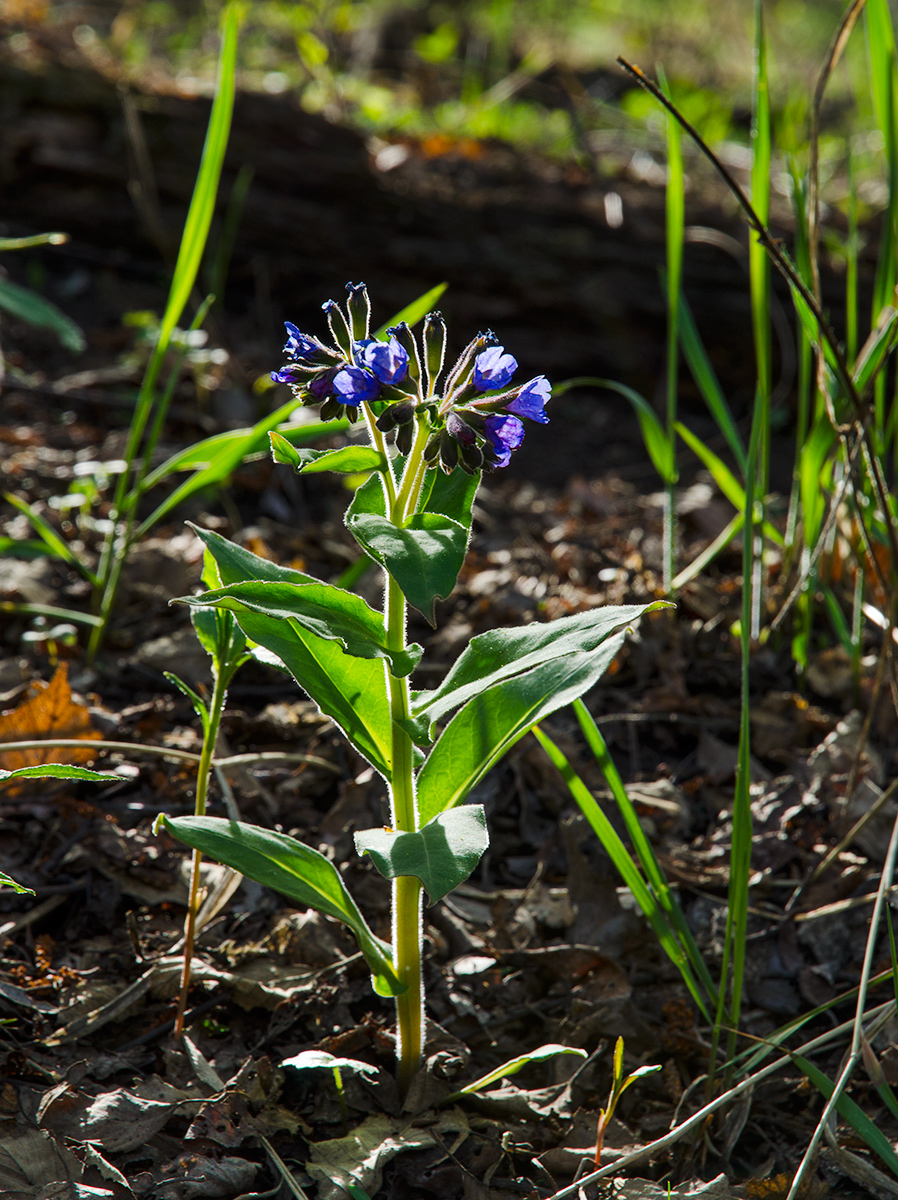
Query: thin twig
{"x": 857, "y": 1028}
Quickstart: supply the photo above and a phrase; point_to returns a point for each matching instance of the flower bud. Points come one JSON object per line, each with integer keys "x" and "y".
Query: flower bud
{"x": 358, "y": 308}
{"x": 434, "y": 348}
{"x": 448, "y": 452}
{"x": 396, "y": 414}
{"x": 471, "y": 459}
{"x": 405, "y": 435}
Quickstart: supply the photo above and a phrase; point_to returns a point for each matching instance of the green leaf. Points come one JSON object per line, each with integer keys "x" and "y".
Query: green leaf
{"x": 708, "y": 384}
{"x": 348, "y": 460}
{"x": 647, "y": 897}
{"x": 490, "y": 723}
{"x": 724, "y": 478}
{"x": 513, "y": 1066}
{"x": 318, "y": 608}
{"x": 8, "y": 881}
{"x": 35, "y": 310}
{"x": 424, "y": 557}
{"x": 504, "y": 653}
{"x": 874, "y": 352}
{"x": 59, "y": 771}
{"x": 852, "y": 1113}
{"x": 199, "y": 705}
{"x": 58, "y": 547}
{"x": 221, "y": 463}
{"x": 442, "y": 854}
{"x": 351, "y": 691}
{"x": 291, "y": 868}
{"x": 451, "y": 495}
{"x": 661, "y": 448}
{"x": 310, "y": 1060}
{"x": 250, "y": 441}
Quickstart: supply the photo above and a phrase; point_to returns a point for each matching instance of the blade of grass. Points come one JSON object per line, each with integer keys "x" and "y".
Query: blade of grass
{"x": 759, "y": 275}
{"x": 629, "y": 872}
{"x": 709, "y": 386}
{"x": 725, "y": 479}
{"x": 193, "y": 242}
{"x": 644, "y": 852}
{"x": 57, "y": 546}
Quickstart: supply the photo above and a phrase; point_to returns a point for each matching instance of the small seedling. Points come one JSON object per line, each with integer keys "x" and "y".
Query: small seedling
{"x": 619, "y": 1084}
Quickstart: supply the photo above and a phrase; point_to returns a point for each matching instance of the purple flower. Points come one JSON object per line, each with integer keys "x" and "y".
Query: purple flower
{"x": 505, "y": 435}
{"x": 290, "y": 374}
{"x": 493, "y": 369}
{"x": 322, "y": 386}
{"x": 300, "y": 345}
{"x": 531, "y": 400}
{"x": 388, "y": 360}
{"x": 353, "y": 385}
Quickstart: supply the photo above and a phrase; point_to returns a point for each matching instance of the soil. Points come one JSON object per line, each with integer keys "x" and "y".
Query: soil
{"x": 543, "y": 945}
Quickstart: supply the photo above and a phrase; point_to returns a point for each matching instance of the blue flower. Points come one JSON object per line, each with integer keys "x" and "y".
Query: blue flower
{"x": 493, "y": 369}
{"x": 531, "y": 400}
{"x": 300, "y": 346}
{"x": 388, "y": 360}
{"x": 355, "y": 386}
{"x": 505, "y": 434}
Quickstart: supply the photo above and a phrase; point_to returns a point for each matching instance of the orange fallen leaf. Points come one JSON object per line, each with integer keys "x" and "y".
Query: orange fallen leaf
{"x": 48, "y": 712}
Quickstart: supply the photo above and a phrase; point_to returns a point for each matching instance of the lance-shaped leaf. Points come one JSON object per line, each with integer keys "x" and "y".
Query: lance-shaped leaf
{"x": 348, "y": 460}
{"x": 442, "y": 854}
{"x": 504, "y": 653}
{"x": 8, "y": 881}
{"x": 319, "y": 608}
{"x": 351, "y": 691}
{"x": 490, "y": 723}
{"x": 552, "y": 1050}
{"x": 295, "y": 870}
{"x": 58, "y": 771}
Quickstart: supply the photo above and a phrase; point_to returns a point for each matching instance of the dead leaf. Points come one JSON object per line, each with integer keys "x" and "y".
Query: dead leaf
{"x": 48, "y": 712}
{"x": 194, "y": 1177}
{"x": 360, "y": 1158}
{"x": 119, "y": 1120}
{"x": 31, "y": 1159}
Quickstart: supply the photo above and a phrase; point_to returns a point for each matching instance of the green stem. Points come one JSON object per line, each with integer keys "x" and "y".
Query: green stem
{"x": 403, "y": 807}
{"x": 203, "y": 773}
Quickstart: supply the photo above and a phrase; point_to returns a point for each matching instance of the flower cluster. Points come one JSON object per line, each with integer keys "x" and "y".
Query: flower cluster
{"x": 472, "y": 413}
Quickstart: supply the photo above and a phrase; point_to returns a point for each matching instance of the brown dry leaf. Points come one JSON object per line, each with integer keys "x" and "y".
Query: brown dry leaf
{"x": 49, "y": 712}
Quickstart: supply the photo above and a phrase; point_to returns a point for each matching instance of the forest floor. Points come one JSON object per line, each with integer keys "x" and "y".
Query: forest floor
{"x": 542, "y": 945}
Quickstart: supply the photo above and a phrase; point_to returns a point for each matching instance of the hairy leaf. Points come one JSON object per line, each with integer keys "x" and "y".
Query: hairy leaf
{"x": 442, "y": 854}
{"x": 291, "y": 868}
{"x": 492, "y": 721}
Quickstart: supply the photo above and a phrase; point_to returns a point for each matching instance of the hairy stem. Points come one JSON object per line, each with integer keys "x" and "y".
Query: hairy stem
{"x": 403, "y": 806}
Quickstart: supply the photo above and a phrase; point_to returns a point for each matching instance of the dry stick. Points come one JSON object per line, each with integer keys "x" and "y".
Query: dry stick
{"x": 888, "y": 871}
{"x": 836, "y": 49}
{"x": 879, "y": 1017}
{"x": 233, "y": 760}
{"x": 786, "y": 268}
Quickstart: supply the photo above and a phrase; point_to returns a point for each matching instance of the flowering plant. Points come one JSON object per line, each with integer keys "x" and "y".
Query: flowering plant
{"x": 430, "y": 436}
